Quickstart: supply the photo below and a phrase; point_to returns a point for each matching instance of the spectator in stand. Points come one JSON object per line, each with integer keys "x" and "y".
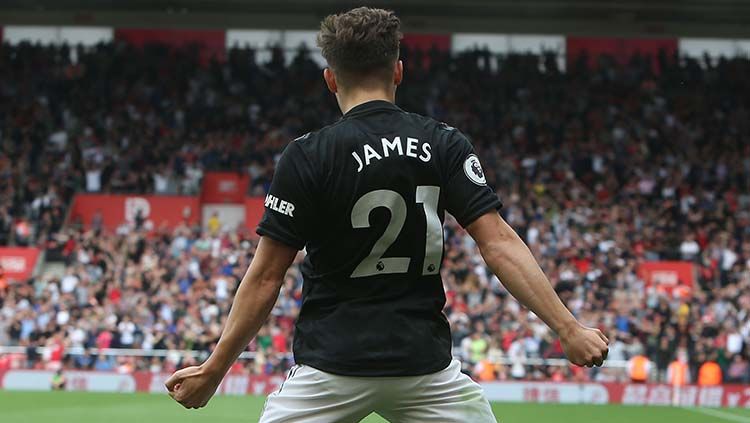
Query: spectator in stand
{"x": 126, "y": 329}
{"x": 517, "y": 355}
{"x": 3, "y": 288}
{"x": 23, "y": 233}
{"x": 485, "y": 371}
{"x": 214, "y": 224}
{"x": 104, "y": 363}
{"x": 709, "y": 373}
{"x": 58, "y": 381}
{"x": 639, "y": 369}
{"x": 739, "y": 370}
{"x": 664, "y": 355}
{"x": 678, "y": 372}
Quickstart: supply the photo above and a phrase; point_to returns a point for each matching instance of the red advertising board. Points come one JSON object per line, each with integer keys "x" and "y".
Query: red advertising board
{"x": 212, "y": 43}
{"x": 224, "y": 187}
{"x": 95, "y": 381}
{"x": 18, "y": 263}
{"x": 619, "y": 393}
{"x": 254, "y": 208}
{"x": 667, "y": 276}
{"x": 510, "y": 391}
{"x": 426, "y": 42}
{"x": 685, "y": 396}
{"x": 40, "y": 380}
{"x": 157, "y": 210}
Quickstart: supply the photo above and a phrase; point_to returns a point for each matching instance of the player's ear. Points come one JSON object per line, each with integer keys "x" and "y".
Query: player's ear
{"x": 330, "y": 79}
{"x": 398, "y": 73}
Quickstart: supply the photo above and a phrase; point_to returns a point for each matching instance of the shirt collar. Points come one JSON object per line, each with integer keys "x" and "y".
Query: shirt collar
{"x": 370, "y": 106}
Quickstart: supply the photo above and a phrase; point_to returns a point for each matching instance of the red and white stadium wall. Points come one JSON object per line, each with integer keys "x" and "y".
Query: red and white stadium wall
{"x": 533, "y": 392}
{"x": 157, "y": 211}
{"x": 18, "y": 263}
{"x": 216, "y": 42}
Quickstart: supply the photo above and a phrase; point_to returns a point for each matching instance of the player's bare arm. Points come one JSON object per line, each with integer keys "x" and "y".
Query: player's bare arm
{"x": 194, "y": 386}
{"x": 510, "y": 259}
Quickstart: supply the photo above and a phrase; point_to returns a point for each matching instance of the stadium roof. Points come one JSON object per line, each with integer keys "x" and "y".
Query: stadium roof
{"x": 699, "y": 18}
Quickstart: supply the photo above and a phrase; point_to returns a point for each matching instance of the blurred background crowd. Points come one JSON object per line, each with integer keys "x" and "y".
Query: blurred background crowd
{"x": 599, "y": 169}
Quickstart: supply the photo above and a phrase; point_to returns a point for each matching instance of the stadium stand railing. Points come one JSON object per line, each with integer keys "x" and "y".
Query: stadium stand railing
{"x": 129, "y": 352}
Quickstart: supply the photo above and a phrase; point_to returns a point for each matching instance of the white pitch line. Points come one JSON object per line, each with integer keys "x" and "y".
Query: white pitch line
{"x": 720, "y": 414}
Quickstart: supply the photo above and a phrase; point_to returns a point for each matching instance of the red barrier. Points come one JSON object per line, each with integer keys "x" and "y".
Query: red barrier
{"x": 667, "y": 276}
{"x": 426, "y": 42}
{"x": 212, "y": 43}
{"x": 94, "y": 381}
{"x": 224, "y": 187}
{"x": 618, "y": 393}
{"x": 687, "y": 396}
{"x": 17, "y": 263}
{"x": 533, "y": 392}
{"x": 254, "y": 208}
{"x": 167, "y": 211}
{"x": 157, "y": 211}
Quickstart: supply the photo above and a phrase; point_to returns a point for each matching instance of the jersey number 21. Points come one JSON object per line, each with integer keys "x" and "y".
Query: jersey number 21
{"x": 375, "y": 263}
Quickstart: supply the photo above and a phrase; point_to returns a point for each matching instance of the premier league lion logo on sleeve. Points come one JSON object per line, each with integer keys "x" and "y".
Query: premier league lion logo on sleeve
{"x": 473, "y": 170}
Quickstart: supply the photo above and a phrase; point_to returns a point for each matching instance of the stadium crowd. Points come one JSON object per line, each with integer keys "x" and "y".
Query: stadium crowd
{"x": 599, "y": 168}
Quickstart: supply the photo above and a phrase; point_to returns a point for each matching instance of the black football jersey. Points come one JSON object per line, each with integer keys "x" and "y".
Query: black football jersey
{"x": 367, "y": 197}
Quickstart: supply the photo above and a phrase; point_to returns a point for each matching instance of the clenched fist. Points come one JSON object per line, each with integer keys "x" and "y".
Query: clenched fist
{"x": 193, "y": 386}
{"x": 584, "y": 346}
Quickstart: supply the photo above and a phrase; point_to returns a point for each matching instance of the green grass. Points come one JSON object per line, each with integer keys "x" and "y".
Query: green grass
{"x": 77, "y": 407}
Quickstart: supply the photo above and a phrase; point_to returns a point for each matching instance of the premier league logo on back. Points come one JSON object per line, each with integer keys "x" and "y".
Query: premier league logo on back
{"x": 473, "y": 170}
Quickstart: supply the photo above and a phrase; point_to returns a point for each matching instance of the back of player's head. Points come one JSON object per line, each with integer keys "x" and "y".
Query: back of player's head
{"x": 361, "y": 45}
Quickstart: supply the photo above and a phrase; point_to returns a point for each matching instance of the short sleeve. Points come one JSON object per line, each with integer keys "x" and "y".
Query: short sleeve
{"x": 289, "y": 207}
{"x": 467, "y": 195}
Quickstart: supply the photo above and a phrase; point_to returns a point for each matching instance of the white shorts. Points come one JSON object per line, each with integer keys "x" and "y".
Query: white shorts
{"x": 312, "y": 396}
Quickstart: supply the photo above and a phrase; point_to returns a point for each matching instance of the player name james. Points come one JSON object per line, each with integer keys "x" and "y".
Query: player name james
{"x": 388, "y": 148}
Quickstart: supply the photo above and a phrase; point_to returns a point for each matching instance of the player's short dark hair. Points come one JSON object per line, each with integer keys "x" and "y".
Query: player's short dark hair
{"x": 361, "y": 45}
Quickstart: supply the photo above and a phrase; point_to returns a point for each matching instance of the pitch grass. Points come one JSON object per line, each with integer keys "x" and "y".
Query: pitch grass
{"x": 78, "y": 407}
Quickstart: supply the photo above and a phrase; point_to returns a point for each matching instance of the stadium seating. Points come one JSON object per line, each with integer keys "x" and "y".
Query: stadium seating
{"x": 600, "y": 169}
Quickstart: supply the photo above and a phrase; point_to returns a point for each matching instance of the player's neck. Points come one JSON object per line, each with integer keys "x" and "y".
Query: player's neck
{"x": 348, "y": 101}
